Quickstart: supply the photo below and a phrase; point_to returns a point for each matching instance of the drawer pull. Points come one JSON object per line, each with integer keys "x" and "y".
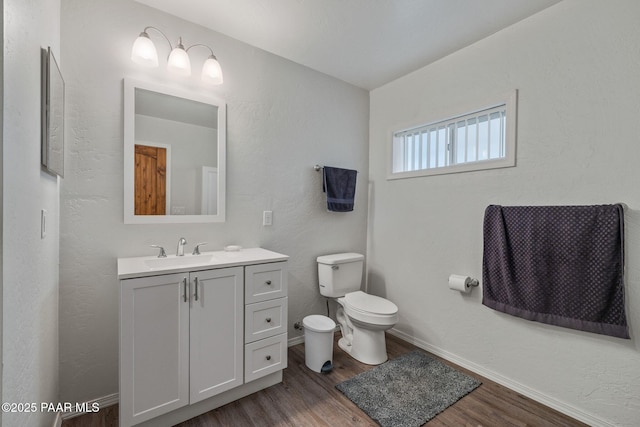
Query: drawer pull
{"x": 268, "y": 319}
{"x": 268, "y": 282}
{"x": 268, "y": 357}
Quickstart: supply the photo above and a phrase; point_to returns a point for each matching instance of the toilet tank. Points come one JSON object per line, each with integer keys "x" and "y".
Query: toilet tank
{"x": 340, "y": 274}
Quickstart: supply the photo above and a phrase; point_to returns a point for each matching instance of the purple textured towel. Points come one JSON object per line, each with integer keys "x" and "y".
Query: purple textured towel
{"x": 561, "y": 265}
{"x": 340, "y": 186}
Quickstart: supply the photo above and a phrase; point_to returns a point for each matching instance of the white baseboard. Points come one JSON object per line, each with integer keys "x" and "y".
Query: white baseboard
{"x": 58, "y": 421}
{"x": 295, "y": 340}
{"x": 507, "y": 382}
{"x": 102, "y": 402}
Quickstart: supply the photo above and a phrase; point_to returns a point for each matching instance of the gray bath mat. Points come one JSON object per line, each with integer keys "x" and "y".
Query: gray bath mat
{"x": 407, "y": 391}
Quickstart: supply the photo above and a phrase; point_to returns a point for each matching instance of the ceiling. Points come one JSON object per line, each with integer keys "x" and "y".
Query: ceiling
{"x": 367, "y": 43}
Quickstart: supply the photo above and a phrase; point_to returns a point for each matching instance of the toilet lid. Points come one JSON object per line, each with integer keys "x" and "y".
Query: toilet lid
{"x": 370, "y": 303}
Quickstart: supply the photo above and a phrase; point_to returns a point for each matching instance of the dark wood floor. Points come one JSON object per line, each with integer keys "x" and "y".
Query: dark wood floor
{"x": 306, "y": 398}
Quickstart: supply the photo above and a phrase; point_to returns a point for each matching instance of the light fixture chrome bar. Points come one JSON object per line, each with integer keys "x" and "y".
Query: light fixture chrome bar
{"x": 144, "y": 53}
{"x": 160, "y": 31}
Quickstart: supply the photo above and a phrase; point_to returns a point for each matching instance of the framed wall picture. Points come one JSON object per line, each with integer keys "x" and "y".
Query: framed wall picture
{"x": 52, "y": 157}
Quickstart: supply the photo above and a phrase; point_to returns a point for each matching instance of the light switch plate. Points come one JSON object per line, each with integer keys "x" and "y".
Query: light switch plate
{"x": 43, "y": 223}
{"x": 267, "y": 218}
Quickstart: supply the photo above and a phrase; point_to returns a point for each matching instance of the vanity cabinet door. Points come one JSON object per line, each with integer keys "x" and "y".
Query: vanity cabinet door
{"x": 217, "y": 302}
{"x": 154, "y": 347}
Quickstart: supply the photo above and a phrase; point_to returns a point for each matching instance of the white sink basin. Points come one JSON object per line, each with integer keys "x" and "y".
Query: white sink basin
{"x": 178, "y": 261}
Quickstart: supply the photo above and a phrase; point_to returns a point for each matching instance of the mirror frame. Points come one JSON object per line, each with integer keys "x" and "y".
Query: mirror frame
{"x": 52, "y": 129}
{"x": 130, "y": 86}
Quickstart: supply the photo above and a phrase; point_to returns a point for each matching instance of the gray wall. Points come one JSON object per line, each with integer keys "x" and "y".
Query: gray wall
{"x": 29, "y": 263}
{"x": 576, "y": 66}
{"x": 282, "y": 119}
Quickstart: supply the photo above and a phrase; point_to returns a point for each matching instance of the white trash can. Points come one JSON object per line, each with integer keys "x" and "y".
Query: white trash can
{"x": 318, "y": 342}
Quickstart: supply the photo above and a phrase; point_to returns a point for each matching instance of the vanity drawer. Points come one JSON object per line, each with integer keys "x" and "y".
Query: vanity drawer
{"x": 265, "y": 357}
{"x": 265, "y": 281}
{"x": 265, "y": 319}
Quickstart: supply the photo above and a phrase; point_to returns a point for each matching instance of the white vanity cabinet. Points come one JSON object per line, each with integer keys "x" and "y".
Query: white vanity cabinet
{"x": 181, "y": 340}
{"x": 201, "y": 337}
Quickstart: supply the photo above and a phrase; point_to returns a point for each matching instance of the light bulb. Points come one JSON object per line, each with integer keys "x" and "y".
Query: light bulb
{"x": 211, "y": 71}
{"x": 179, "y": 62}
{"x": 144, "y": 51}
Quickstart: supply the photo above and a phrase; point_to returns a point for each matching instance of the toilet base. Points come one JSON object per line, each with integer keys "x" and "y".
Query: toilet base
{"x": 370, "y": 349}
{"x": 365, "y": 345}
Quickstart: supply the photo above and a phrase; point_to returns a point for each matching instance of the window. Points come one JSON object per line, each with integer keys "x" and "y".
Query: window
{"x": 481, "y": 139}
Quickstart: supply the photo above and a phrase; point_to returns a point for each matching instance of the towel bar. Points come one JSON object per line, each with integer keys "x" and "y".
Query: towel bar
{"x": 318, "y": 168}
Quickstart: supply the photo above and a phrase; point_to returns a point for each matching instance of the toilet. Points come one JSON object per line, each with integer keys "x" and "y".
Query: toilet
{"x": 363, "y": 318}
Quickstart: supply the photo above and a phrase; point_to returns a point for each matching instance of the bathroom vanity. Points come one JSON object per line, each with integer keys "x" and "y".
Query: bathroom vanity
{"x": 199, "y": 331}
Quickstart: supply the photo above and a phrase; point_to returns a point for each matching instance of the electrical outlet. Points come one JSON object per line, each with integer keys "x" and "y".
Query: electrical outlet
{"x": 267, "y": 218}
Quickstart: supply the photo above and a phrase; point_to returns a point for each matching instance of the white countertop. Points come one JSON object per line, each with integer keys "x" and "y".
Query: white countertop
{"x": 153, "y": 266}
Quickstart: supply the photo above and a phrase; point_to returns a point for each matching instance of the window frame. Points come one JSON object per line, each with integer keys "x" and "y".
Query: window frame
{"x": 509, "y": 100}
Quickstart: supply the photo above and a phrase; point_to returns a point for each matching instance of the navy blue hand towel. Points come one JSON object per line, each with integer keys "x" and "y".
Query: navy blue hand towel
{"x": 561, "y": 265}
{"x": 340, "y": 186}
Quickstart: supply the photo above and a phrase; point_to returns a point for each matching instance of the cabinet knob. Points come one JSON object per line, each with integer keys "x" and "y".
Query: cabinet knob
{"x": 268, "y": 357}
{"x": 268, "y": 319}
{"x": 268, "y": 282}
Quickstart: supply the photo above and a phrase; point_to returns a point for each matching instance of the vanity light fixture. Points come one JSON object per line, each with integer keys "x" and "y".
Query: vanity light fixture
{"x": 144, "y": 53}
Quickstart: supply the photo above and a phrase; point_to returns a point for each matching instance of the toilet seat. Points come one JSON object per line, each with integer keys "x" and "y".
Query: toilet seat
{"x": 362, "y": 301}
{"x": 371, "y": 309}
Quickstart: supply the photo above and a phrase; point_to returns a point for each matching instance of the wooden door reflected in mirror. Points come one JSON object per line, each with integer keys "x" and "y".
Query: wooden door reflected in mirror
{"x": 150, "y": 177}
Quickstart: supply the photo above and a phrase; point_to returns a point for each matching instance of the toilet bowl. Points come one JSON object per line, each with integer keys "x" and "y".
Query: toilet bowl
{"x": 362, "y": 317}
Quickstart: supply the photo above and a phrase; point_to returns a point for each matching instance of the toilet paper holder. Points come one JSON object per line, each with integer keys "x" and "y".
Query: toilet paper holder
{"x": 461, "y": 283}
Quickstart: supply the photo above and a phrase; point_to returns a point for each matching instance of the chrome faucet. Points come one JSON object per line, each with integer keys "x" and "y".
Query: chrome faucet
{"x": 162, "y": 253}
{"x": 181, "y": 243}
{"x": 196, "y": 249}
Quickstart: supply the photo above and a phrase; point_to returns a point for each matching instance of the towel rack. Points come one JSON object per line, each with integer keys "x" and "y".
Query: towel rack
{"x": 318, "y": 168}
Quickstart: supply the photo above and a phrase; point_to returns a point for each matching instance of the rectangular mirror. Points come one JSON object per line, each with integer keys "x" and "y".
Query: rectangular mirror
{"x": 52, "y": 150}
{"x": 174, "y": 155}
